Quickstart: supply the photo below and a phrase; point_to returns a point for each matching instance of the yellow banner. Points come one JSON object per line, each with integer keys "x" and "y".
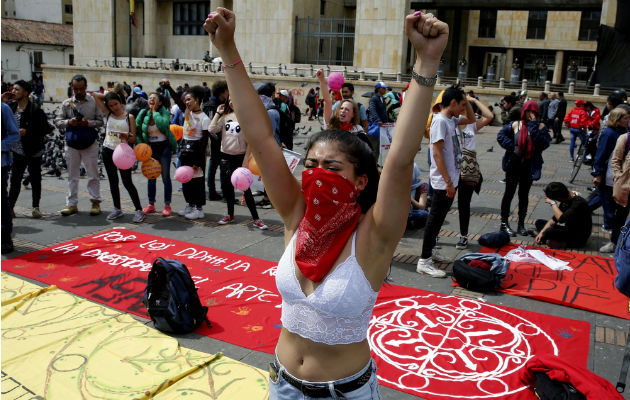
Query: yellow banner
{"x": 59, "y": 346}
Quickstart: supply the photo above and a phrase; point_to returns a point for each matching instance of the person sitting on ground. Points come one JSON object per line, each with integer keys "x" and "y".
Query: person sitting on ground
{"x": 570, "y": 224}
{"x": 339, "y": 235}
{"x": 418, "y": 213}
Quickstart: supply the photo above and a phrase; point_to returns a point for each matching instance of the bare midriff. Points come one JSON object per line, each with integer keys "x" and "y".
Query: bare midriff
{"x": 318, "y": 362}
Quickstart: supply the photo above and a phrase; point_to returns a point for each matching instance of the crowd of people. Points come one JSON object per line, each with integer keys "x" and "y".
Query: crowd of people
{"x": 344, "y": 218}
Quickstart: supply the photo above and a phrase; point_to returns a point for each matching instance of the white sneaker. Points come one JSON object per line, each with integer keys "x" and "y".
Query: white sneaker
{"x": 186, "y": 210}
{"x": 607, "y": 248}
{"x": 425, "y": 266}
{"x": 438, "y": 257}
{"x": 196, "y": 213}
{"x": 138, "y": 216}
{"x": 117, "y": 213}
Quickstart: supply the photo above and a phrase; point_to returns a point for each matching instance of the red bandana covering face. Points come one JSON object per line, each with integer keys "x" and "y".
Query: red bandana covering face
{"x": 332, "y": 214}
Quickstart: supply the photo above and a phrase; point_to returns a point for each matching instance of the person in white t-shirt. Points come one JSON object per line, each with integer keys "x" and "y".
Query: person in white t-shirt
{"x": 193, "y": 152}
{"x": 446, "y": 159}
{"x": 465, "y": 191}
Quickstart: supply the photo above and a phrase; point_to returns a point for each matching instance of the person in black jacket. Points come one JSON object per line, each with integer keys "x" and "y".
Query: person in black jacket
{"x": 27, "y": 153}
{"x": 524, "y": 142}
{"x": 219, "y": 96}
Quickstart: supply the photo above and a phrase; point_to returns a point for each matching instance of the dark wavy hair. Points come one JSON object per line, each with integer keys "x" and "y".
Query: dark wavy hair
{"x": 112, "y": 96}
{"x": 359, "y": 154}
{"x": 197, "y": 92}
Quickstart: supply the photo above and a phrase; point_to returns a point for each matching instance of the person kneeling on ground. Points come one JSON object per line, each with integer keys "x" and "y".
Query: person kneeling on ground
{"x": 570, "y": 225}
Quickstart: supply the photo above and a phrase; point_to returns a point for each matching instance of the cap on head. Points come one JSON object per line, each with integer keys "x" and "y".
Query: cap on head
{"x": 380, "y": 85}
{"x": 580, "y": 103}
{"x": 137, "y": 90}
{"x": 284, "y": 92}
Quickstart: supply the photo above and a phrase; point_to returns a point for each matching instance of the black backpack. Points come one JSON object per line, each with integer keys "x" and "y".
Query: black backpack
{"x": 171, "y": 298}
{"x": 297, "y": 113}
{"x": 286, "y": 123}
{"x": 475, "y": 279}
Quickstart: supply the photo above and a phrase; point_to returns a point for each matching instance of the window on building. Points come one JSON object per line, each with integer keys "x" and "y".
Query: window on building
{"x": 67, "y": 8}
{"x": 589, "y": 25}
{"x": 324, "y": 41}
{"x": 322, "y": 7}
{"x": 487, "y": 23}
{"x": 536, "y": 24}
{"x": 70, "y": 59}
{"x": 38, "y": 60}
{"x": 188, "y": 17}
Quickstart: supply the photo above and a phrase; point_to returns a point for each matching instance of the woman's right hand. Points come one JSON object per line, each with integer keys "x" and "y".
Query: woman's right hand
{"x": 220, "y": 110}
{"x": 220, "y": 26}
{"x": 428, "y": 35}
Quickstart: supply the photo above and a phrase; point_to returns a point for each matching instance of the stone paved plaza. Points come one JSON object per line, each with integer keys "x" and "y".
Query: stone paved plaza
{"x": 608, "y": 334}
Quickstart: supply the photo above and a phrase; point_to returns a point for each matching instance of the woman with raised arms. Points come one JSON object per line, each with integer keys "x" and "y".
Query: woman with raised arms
{"x": 341, "y": 225}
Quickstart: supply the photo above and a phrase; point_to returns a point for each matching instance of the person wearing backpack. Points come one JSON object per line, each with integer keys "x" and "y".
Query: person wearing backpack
{"x": 120, "y": 127}
{"x": 287, "y": 125}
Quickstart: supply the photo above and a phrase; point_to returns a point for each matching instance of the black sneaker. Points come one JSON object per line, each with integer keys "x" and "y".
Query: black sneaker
{"x": 462, "y": 244}
{"x": 215, "y": 196}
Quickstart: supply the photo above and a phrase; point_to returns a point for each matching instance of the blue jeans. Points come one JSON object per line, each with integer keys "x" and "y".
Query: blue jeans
{"x": 281, "y": 389}
{"x": 419, "y": 217}
{"x": 608, "y": 204}
{"x": 163, "y": 150}
{"x": 574, "y": 134}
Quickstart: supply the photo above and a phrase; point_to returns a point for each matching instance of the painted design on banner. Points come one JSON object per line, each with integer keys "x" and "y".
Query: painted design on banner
{"x": 432, "y": 341}
{"x": 589, "y": 286}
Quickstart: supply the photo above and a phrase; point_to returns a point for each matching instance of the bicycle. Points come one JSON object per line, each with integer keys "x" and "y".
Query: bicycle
{"x": 585, "y": 154}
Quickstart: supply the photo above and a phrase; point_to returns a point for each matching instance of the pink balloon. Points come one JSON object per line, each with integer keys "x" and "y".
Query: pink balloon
{"x": 242, "y": 179}
{"x": 184, "y": 173}
{"x": 335, "y": 80}
{"x": 124, "y": 156}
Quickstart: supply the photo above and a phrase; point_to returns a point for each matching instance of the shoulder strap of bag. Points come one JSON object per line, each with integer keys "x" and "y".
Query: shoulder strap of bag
{"x": 621, "y": 384}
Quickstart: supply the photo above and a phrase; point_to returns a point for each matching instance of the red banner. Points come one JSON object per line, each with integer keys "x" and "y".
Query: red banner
{"x": 589, "y": 286}
{"x": 428, "y": 344}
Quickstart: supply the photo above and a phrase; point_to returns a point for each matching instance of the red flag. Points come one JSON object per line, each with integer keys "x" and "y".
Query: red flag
{"x": 132, "y": 12}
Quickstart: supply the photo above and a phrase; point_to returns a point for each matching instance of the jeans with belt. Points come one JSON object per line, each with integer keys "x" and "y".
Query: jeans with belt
{"x": 282, "y": 389}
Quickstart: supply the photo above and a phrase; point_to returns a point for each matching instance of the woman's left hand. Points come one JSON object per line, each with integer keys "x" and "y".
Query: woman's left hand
{"x": 428, "y": 35}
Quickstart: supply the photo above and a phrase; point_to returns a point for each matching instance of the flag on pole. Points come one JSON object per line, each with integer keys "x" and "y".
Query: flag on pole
{"x": 132, "y": 12}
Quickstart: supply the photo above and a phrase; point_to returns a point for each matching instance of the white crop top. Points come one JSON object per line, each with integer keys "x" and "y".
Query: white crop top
{"x": 337, "y": 312}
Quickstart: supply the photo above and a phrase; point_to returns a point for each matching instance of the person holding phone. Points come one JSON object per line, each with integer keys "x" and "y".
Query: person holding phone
{"x": 80, "y": 117}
